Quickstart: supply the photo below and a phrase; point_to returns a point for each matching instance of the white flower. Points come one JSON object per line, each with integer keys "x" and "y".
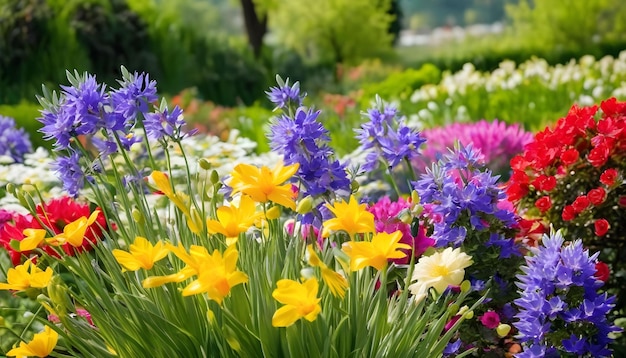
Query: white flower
{"x": 439, "y": 270}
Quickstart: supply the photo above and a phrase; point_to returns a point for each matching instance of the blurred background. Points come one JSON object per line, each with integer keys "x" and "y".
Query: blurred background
{"x": 217, "y": 57}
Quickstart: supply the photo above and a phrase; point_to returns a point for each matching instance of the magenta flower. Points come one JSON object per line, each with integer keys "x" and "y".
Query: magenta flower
{"x": 497, "y": 141}
{"x": 490, "y": 319}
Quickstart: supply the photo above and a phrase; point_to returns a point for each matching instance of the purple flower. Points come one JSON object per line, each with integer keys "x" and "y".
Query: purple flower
{"x": 498, "y": 142}
{"x": 13, "y": 142}
{"x": 386, "y": 139}
{"x": 71, "y": 173}
{"x": 134, "y": 97}
{"x": 559, "y": 297}
{"x": 165, "y": 123}
{"x": 285, "y": 96}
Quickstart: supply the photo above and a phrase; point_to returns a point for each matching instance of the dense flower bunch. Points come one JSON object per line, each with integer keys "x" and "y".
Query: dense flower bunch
{"x": 465, "y": 207}
{"x": 14, "y": 142}
{"x": 561, "y": 310}
{"x": 571, "y": 177}
{"x": 496, "y": 140}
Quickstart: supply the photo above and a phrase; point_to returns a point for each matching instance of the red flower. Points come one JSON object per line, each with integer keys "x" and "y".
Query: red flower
{"x": 543, "y": 204}
{"x": 569, "y": 213}
{"x": 596, "y": 196}
{"x": 599, "y": 155}
{"x": 601, "y": 226}
{"x": 13, "y": 231}
{"x": 569, "y": 156}
{"x": 609, "y": 176}
{"x": 581, "y": 203}
{"x": 490, "y": 319}
{"x": 544, "y": 183}
{"x": 621, "y": 201}
{"x": 602, "y": 271}
{"x": 516, "y": 191}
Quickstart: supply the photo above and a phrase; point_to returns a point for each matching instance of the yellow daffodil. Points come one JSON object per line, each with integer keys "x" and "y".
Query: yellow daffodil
{"x": 375, "y": 253}
{"x": 218, "y": 274}
{"x": 350, "y": 217}
{"x": 265, "y": 184}
{"x": 162, "y": 182}
{"x": 74, "y": 232}
{"x": 41, "y": 345}
{"x": 299, "y": 299}
{"x": 335, "y": 281}
{"x": 141, "y": 254}
{"x": 20, "y": 279}
{"x": 32, "y": 239}
{"x": 193, "y": 260}
{"x": 439, "y": 270}
{"x": 234, "y": 220}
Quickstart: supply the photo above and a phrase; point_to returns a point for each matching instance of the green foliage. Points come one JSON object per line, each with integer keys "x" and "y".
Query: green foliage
{"x": 341, "y": 31}
{"x": 402, "y": 84}
{"x": 559, "y": 24}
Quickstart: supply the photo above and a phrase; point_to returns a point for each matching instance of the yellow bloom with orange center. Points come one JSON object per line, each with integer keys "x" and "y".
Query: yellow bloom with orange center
{"x": 26, "y": 276}
{"x": 377, "y": 252}
{"x": 233, "y": 220}
{"x": 265, "y": 184}
{"x": 41, "y": 345}
{"x": 335, "y": 281}
{"x": 350, "y": 217}
{"x": 74, "y": 232}
{"x": 141, "y": 254}
{"x": 300, "y": 301}
{"x": 217, "y": 275}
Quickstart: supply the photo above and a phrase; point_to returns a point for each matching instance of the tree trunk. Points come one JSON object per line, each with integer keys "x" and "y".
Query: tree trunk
{"x": 256, "y": 28}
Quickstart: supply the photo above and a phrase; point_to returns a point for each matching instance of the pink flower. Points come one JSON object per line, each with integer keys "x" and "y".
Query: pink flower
{"x": 490, "y": 319}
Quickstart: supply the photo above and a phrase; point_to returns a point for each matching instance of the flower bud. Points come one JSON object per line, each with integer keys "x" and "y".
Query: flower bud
{"x": 465, "y": 286}
{"x": 453, "y": 309}
{"x": 305, "y": 205}
{"x": 215, "y": 177}
{"x": 11, "y": 188}
{"x": 468, "y": 315}
{"x": 503, "y": 330}
{"x": 307, "y": 272}
{"x": 204, "y": 164}
{"x": 137, "y": 216}
{"x": 273, "y": 213}
{"x": 405, "y": 216}
{"x": 354, "y": 186}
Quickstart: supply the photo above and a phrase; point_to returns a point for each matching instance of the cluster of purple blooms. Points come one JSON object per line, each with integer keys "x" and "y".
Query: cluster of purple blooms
{"x": 301, "y": 138}
{"x": 14, "y": 142}
{"x": 386, "y": 139}
{"x": 457, "y": 195}
{"x": 110, "y": 119}
{"x": 559, "y": 303}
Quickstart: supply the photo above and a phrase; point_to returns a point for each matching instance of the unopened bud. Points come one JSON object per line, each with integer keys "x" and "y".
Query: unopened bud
{"x": 11, "y": 188}
{"x": 415, "y": 197}
{"x": 468, "y": 315}
{"x": 405, "y": 216}
{"x": 215, "y": 177}
{"x": 273, "y": 213}
{"x": 453, "y": 309}
{"x": 466, "y": 286}
{"x": 354, "y": 186}
{"x": 137, "y": 216}
{"x": 503, "y": 330}
{"x": 305, "y": 205}
{"x": 204, "y": 164}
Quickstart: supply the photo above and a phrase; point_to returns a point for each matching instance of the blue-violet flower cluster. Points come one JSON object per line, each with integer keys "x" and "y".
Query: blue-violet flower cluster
{"x": 561, "y": 310}
{"x": 14, "y": 142}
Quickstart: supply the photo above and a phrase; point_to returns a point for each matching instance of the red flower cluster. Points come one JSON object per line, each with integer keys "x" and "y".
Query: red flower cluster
{"x": 54, "y": 214}
{"x": 570, "y": 175}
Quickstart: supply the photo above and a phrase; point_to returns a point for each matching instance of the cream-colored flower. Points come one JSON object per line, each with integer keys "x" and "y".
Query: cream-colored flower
{"x": 439, "y": 270}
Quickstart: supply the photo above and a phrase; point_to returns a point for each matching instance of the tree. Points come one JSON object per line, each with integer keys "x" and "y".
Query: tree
{"x": 255, "y": 21}
{"x": 338, "y": 31}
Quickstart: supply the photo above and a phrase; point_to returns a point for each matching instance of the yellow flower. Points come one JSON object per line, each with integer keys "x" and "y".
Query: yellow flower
{"x": 141, "y": 254}
{"x": 265, "y": 184}
{"x": 335, "y": 281}
{"x": 350, "y": 217}
{"x": 375, "y": 253}
{"x": 217, "y": 275}
{"x": 20, "y": 279}
{"x": 74, "y": 232}
{"x": 41, "y": 346}
{"x": 232, "y": 220}
{"x": 163, "y": 183}
{"x": 32, "y": 239}
{"x": 300, "y": 300}
{"x": 439, "y": 270}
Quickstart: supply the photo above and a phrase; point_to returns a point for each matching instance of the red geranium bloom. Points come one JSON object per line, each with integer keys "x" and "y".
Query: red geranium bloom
{"x": 596, "y": 196}
{"x": 543, "y": 204}
{"x": 609, "y": 176}
{"x": 602, "y": 271}
{"x": 13, "y": 230}
{"x": 601, "y": 227}
{"x": 569, "y": 156}
{"x": 569, "y": 213}
{"x": 581, "y": 203}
